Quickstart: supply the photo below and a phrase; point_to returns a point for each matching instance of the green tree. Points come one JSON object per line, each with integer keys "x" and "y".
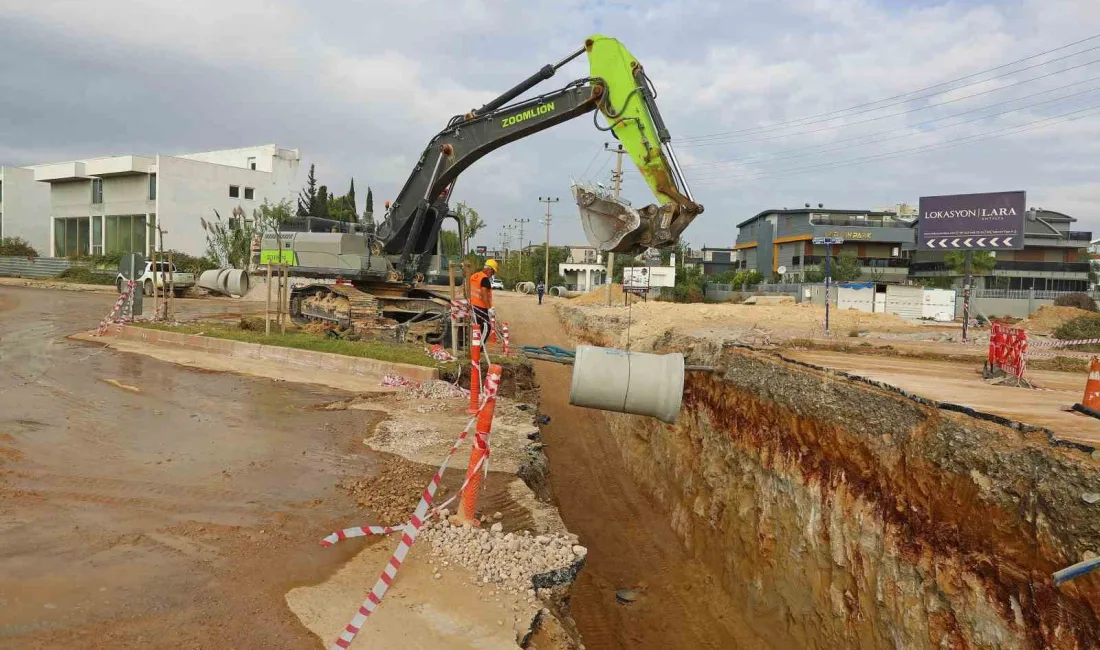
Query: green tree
{"x": 350, "y": 198}
{"x": 368, "y": 211}
{"x": 322, "y": 208}
{"x": 229, "y": 242}
{"x": 471, "y": 223}
{"x": 307, "y": 198}
{"x": 813, "y": 274}
{"x": 449, "y": 243}
{"x": 17, "y": 247}
{"x": 982, "y": 263}
{"x": 846, "y": 267}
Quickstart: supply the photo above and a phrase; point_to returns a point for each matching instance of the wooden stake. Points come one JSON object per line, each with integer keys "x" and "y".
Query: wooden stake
{"x": 267, "y": 306}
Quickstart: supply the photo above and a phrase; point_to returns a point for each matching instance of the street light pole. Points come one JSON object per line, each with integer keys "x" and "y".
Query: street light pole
{"x": 547, "y": 200}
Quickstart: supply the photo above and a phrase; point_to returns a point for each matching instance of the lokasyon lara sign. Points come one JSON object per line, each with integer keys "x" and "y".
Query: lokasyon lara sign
{"x": 992, "y": 221}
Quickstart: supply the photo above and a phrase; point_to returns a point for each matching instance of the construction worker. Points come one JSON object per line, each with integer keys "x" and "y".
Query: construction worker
{"x": 481, "y": 297}
{"x": 541, "y": 289}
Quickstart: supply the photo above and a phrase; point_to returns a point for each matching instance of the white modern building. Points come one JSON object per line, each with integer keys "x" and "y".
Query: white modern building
{"x": 118, "y": 204}
{"x": 24, "y": 207}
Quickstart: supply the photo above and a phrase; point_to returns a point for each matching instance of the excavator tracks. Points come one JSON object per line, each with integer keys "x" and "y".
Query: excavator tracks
{"x": 398, "y": 318}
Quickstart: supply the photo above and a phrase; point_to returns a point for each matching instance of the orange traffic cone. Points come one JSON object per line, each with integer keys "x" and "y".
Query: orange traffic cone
{"x": 1092, "y": 386}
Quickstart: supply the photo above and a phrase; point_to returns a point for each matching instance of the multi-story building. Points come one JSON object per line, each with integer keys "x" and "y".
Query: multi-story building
{"x": 585, "y": 269}
{"x": 784, "y": 238}
{"x": 718, "y": 260}
{"x": 24, "y": 207}
{"x": 122, "y": 204}
{"x": 1054, "y": 258}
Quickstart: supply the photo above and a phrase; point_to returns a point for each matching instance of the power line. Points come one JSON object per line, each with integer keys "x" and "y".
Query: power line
{"x": 1028, "y": 126}
{"x": 900, "y": 113}
{"x": 912, "y": 92}
{"x": 908, "y": 130}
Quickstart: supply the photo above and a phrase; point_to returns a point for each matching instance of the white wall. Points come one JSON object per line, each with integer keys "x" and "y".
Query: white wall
{"x": 189, "y": 189}
{"x": 25, "y": 208}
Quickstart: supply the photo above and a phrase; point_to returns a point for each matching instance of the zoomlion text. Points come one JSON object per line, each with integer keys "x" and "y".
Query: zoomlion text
{"x": 541, "y": 109}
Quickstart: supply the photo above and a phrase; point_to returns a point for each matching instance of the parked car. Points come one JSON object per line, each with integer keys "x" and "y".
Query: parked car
{"x": 496, "y": 284}
{"x": 166, "y": 276}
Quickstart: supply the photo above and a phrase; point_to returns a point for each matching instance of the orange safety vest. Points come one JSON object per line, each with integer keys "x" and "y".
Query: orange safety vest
{"x": 480, "y": 296}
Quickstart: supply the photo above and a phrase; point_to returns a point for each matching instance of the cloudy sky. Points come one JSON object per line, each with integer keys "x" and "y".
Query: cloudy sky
{"x": 771, "y": 103}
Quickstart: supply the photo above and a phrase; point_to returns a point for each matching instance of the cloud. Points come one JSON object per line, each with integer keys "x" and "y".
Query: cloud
{"x": 361, "y": 88}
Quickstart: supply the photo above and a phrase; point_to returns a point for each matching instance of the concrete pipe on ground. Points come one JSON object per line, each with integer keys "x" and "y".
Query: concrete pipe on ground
{"x": 560, "y": 292}
{"x": 231, "y": 282}
{"x": 525, "y": 287}
{"x": 628, "y": 382}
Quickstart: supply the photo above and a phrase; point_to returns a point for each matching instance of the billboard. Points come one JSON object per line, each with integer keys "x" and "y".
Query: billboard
{"x": 636, "y": 277}
{"x": 481, "y": 250}
{"x": 992, "y": 221}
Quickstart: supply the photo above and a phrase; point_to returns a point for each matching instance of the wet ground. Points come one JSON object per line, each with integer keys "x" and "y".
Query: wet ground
{"x": 178, "y": 514}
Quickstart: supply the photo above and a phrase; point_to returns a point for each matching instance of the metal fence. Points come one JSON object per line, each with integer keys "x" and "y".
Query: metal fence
{"x": 1028, "y": 294}
{"x": 36, "y": 267}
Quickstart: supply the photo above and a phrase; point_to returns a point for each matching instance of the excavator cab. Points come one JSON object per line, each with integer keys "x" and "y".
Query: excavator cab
{"x": 628, "y": 103}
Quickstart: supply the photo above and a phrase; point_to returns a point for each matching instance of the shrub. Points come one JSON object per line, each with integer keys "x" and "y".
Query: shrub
{"x": 191, "y": 264}
{"x": 1082, "y": 327}
{"x": 17, "y": 247}
{"x": 1078, "y": 300}
{"x": 84, "y": 275}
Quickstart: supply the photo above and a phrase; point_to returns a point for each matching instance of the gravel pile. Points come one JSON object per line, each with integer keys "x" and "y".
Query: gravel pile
{"x": 507, "y": 561}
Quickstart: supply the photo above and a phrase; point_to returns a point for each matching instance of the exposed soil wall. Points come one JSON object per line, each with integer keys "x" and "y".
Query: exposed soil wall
{"x": 853, "y": 516}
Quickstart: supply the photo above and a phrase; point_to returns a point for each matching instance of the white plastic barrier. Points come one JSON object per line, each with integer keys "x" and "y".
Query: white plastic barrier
{"x": 628, "y": 382}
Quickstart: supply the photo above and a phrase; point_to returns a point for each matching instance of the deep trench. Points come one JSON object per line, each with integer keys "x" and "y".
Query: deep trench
{"x": 844, "y": 515}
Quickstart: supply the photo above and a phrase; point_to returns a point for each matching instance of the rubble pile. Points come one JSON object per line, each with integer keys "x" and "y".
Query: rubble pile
{"x": 508, "y": 561}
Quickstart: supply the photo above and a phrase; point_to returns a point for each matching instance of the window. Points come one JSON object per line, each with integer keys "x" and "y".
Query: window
{"x": 125, "y": 234}
{"x": 249, "y": 193}
{"x": 796, "y": 260}
{"x": 152, "y": 187}
{"x": 97, "y": 235}
{"x": 252, "y": 163}
{"x": 97, "y": 191}
{"x": 234, "y": 191}
{"x": 70, "y": 237}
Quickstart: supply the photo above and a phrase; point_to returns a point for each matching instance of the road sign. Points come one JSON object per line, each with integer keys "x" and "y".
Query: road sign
{"x": 828, "y": 241}
{"x": 991, "y": 221}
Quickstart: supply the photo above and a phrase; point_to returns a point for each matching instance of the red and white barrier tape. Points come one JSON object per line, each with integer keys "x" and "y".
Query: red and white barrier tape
{"x": 439, "y": 353}
{"x": 411, "y": 530}
{"x": 504, "y": 334}
{"x": 460, "y": 308}
{"x": 1063, "y": 344}
{"x": 126, "y": 297}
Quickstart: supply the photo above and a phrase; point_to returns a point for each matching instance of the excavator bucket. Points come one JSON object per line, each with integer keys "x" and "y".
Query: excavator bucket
{"x": 628, "y": 104}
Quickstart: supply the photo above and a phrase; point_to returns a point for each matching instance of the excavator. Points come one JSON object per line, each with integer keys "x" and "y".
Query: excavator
{"x": 380, "y": 288}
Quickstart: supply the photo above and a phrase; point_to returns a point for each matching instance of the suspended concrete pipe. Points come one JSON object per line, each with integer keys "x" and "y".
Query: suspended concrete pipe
{"x": 231, "y": 282}
{"x": 628, "y": 382}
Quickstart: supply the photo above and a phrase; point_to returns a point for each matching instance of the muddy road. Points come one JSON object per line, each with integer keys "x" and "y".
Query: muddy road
{"x": 178, "y": 515}
{"x": 630, "y": 543}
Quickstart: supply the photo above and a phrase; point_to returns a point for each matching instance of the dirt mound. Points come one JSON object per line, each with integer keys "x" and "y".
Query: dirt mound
{"x": 598, "y": 296}
{"x": 1049, "y": 318}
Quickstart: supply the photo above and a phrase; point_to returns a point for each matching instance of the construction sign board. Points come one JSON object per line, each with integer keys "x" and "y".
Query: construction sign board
{"x": 989, "y": 222}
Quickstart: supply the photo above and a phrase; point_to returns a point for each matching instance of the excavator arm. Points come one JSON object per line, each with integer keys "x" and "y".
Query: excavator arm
{"x": 618, "y": 88}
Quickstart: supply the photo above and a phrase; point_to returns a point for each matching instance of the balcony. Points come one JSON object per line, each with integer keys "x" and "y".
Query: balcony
{"x": 866, "y": 262}
{"x": 1006, "y": 265}
{"x": 860, "y": 223}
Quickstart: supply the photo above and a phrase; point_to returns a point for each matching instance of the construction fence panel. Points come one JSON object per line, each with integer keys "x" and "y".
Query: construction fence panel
{"x": 904, "y": 301}
{"x": 858, "y": 299}
{"x": 36, "y": 267}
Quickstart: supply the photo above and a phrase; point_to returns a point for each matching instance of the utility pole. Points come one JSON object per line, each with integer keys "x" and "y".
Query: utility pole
{"x": 507, "y": 239}
{"x": 521, "y": 222}
{"x": 547, "y": 201}
{"x": 966, "y": 293}
{"x": 618, "y": 178}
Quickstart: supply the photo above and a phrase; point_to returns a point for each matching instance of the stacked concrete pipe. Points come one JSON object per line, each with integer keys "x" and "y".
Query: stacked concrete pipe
{"x": 230, "y": 282}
